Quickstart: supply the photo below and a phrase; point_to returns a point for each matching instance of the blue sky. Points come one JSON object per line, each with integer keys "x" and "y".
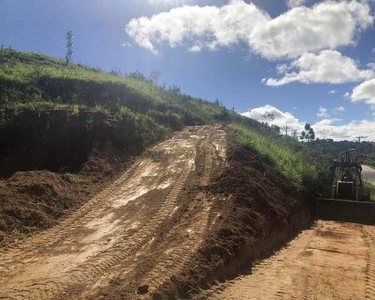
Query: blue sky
{"x": 309, "y": 61}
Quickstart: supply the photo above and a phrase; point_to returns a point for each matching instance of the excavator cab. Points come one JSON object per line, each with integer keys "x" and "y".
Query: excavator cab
{"x": 347, "y": 199}
{"x": 349, "y": 186}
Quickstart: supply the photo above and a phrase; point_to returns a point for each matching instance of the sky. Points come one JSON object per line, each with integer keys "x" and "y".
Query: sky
{"x": 299, "y": 60}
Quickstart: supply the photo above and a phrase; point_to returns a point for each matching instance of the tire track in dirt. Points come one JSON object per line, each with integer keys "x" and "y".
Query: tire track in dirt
{"x": 49, "y": 238}
{"x": 174, "y": 259}
{"x": 97, "y": 265}
{"x": 370, "y": 270}
{"x": 332, "y": 260}
{"x": 261, "y": 283}
{"x": 94, "y": 266}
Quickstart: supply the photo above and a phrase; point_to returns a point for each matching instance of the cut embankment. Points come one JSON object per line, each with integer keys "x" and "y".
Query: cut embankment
{"x": 255, "y": 210}
{"x": 51, "y": 162}
{"x": 194, "y": 209}
{"x": 132, "y": 233}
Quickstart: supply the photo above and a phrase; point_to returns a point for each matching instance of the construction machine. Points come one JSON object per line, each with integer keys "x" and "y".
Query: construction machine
{"x": 346, "y": 199}
{"x": 350, "y": 183}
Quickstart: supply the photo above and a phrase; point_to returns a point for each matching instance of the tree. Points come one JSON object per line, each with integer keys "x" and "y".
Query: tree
{"x": 308, "y": 134}
{"x": 269, "y": 116}
{"x": 138, "y": 75}
{"x": 175, "y": 89}
{"x": 276, "y": 128}
{"x": 154, "y": 77}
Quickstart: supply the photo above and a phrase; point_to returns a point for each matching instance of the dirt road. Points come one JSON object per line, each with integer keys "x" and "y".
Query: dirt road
{"x": 329, "y": 261}
{"x": 141, "y": 230}
{"x": 368, "y": 174}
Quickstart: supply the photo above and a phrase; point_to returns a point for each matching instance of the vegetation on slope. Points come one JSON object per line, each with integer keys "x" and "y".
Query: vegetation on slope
{"x": 32, "y": 81}
{"x": 35, "y": 81}
{"x": 61, "y": 117}
{"x": 290, "y": 157}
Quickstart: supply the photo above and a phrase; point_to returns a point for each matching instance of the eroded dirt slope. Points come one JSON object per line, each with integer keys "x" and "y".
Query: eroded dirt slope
{"x": 331, "y": 260}
{"x": 139, "y": 232}
{"x": 35, "y": 200}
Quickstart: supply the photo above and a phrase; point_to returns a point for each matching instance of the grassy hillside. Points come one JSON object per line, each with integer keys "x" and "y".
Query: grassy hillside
{"x": 35, "y": 81}
{"x": 32, "y": 81}
{"x": 290, "y": 157}
{"x": 76, "y": 127}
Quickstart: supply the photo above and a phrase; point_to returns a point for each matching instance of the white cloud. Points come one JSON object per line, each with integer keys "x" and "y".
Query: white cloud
{"x": 371, "y": 66}
{"x": 365, "y": 92}
{"x": 322, "y": 113}
{"x": 329, "y": 66}
{"x": 294, "y": 3}
{"x": 281, "y": 119}
{"x": 335, "y": 129}
{"x": 326, "y": 128}
{"x": 339, "y": 109}
{"x": 326, "y": 25}
{"x": 331, "y": 92}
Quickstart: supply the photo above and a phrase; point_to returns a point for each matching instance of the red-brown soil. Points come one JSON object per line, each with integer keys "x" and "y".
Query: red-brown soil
{"x": 192, "y": 210}
{"x": 35, "y": 200}
{"x": 330, "y": 260}
{"x": 255, "y": 208}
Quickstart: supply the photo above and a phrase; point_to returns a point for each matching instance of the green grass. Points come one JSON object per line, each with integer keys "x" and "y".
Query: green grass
{"x": 370, "y": 161}
{"x": 32, "y": 81}
{"x": 288, "y": 156}
{"x": 36, "y": 81}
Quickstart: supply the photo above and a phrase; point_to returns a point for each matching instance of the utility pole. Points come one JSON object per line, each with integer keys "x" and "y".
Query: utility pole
{"x": 286, "y": 130}
{"x": 69, "y": 46}
{"x": 361, "y": 137}
{"x": 360, "y": 146}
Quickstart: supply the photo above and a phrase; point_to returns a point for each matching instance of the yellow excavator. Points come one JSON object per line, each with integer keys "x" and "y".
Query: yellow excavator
{"x": 346, "y": 199}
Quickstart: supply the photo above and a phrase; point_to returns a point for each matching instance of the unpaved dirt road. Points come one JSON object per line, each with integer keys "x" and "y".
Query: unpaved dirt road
{"x": 141, "y": 230}
{"x": 368, "y": 174}
{"x": 331, "y": 260}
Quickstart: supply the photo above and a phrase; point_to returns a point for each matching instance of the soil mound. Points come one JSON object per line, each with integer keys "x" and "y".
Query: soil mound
{"x": 34, "y": 200}
{"x": 255, "y": 210}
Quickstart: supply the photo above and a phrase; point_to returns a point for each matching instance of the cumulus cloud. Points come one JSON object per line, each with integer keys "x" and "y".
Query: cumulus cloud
{"x": 322, "y": 113}
{"x": 273, "y": 116}
{"x": 365, "y": 92}
{"x": 294, "y": 3}
{"x": 329, "y": 66}
{"x": 336, "y": 129}
{"x": 339, "y": 109}
{"x": 301, "y": 29}
{"x": 325, "y": 128}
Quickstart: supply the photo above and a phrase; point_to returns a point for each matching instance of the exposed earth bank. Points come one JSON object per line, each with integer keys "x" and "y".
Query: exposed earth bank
{"x": 192, "y": 210}
{"x": 52, "y": 162}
